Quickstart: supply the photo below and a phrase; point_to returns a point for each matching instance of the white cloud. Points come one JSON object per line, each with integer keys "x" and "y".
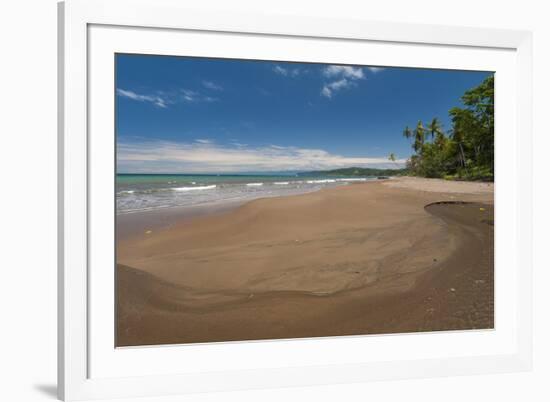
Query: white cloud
{"x": 208, "y": 157}
{"x": 188, "y": 95}
{"x": 163, "y": 99}
{"x": 154, "y": 99}
{"x": 212, "y": 85}
{"x": 194, "y": 96}
{"x": 288, "y": 72}
{"x": 375, "y": 69}
{"x": 354, "y": 73}
{"x": 331, "y": 87}
{"x": 342, "y": 77}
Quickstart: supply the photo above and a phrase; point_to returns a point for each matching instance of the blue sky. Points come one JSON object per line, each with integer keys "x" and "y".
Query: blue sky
{"x": 199, "y": 115}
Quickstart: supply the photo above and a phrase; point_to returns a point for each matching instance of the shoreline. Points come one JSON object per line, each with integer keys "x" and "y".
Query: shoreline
{"x": 347, "y": 260}
{"x": 135, "y": 223}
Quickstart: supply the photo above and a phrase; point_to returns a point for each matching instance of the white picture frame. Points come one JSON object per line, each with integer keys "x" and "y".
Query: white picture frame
{"x": 89, "y": 368}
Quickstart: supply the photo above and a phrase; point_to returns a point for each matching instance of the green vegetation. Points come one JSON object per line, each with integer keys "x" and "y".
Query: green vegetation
{"x": 356, "y": 171}
{"x": 466, "y": 151}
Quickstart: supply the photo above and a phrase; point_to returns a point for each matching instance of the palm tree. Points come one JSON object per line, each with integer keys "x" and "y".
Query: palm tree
{"x": 392, "y": 158}
{"x": 436, "y": 130}
{"x": 463, "y": 126}
{"x": 419, "y": 136}
{"x": 435, "y": 127}
{"x": 407, "y": 133}
{"x": 459, "y": 139}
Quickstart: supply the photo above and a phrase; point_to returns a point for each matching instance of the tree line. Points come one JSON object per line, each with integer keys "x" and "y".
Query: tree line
{"x": 466, "y": 150}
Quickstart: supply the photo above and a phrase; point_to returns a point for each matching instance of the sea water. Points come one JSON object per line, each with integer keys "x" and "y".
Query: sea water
{"x": 141, "y": 192}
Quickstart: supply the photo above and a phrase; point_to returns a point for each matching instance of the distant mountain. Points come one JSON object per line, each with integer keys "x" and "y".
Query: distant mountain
{"x": 356, "y": 171}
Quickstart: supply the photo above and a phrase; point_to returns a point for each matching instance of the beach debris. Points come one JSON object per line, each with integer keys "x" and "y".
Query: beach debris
{"x": 452, "y": 290}
{"x": 479, "y": 281}
{"x": 435, "y": 259}
{"x": 482, "y": 209}
{"x": 148, "y": 231}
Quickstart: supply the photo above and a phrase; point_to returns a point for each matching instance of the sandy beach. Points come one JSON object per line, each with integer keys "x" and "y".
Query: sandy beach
{"x": 391, "y": 256}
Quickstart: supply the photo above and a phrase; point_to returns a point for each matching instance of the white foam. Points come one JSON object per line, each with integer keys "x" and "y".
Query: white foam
{"x": 254, "y": 184}
{"x": 144, "y": 209}
{"x": 281, "y": 183}
{"x": 127, "y": 192}
{"x": 321, "y": 181}
{"x": 194, "y": 188}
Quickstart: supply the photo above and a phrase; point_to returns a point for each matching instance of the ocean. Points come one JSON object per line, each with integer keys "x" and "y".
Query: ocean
{"x": 142, "y": 192}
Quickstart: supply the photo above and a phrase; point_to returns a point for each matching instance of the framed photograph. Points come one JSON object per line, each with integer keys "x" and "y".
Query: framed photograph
{"x": 252, "y": 201}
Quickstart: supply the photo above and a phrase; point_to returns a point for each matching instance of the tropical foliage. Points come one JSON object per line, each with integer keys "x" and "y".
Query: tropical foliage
{"x": 356, "y": 171}
{"x": 466, "y": 150}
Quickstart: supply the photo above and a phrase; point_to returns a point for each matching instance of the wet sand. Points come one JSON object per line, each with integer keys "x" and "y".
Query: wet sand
{"x": 381, "y": 257}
